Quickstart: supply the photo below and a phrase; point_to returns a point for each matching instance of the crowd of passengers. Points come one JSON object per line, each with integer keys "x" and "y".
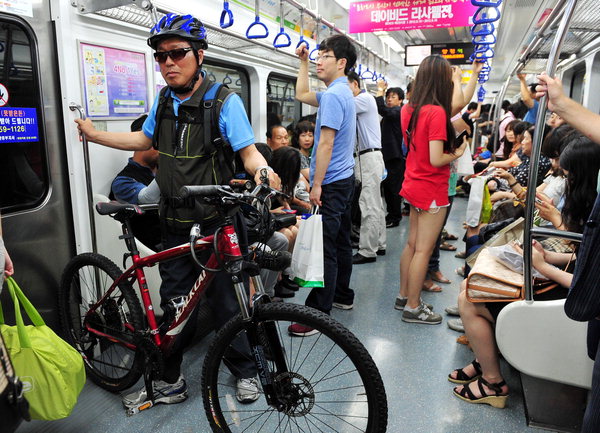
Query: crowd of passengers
{"x": 405, "y": 154}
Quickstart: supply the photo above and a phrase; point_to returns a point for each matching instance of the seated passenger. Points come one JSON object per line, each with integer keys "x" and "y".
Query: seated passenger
{"x": 303, "y": 140}
{"x": 138, "y": 174}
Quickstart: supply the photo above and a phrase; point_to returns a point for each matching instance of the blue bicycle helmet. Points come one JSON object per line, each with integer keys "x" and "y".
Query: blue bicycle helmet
{"x": 184, "y": 26}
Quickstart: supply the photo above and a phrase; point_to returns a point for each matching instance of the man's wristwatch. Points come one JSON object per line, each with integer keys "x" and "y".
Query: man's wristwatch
{"x": 260, "y": 167}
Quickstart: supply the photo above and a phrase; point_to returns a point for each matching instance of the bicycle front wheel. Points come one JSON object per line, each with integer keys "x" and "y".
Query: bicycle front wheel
{"x": 110, "y": 363}
{"x": 329, "y": 384}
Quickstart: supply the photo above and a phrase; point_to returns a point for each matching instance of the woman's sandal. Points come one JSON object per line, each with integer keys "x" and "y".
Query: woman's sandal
{"x": 449, "y": 237}
{"x": 430, "y": 286}
{"x": 495, "y": 400}
{"x": 462, "y": 377}
{"x": 447, "y": 247}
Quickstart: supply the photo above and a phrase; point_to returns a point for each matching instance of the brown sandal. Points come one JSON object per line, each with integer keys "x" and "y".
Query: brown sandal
{"x": 462, "y": 377}
{"x": 447, "y": 247}
{"x": 495, "y": 400}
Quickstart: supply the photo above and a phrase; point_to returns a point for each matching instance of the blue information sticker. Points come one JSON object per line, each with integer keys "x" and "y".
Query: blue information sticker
{"x": 18, "y": 125}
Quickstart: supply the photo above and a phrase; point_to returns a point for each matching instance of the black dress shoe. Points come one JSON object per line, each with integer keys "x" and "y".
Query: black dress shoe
{"x": 391, "y": 224}
{"x": 359, "y": 259}
{"x": 282, "y": 292}
{"x": 381, "y": 252}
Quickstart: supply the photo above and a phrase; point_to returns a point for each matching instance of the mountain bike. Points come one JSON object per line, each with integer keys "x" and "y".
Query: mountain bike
{"x": 327, "y": 382}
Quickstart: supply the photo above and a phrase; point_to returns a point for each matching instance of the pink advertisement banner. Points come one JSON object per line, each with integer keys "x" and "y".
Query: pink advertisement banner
{"x": 374, "y": 16}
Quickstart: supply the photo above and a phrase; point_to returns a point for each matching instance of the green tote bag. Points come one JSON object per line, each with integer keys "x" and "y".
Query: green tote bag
{"x": 52, "y": 371}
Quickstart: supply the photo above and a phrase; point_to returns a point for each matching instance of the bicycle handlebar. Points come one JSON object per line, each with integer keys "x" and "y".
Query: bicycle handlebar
{"x": 203, "y": 191}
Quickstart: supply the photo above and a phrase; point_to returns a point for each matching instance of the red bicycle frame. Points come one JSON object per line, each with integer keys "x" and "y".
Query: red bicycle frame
{"x": 229, "y": 251}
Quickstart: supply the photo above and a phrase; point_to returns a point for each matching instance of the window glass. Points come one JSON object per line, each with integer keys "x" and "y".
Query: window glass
{"x": 577, "y": 83}
{"x": 23, "y": 165}
{"x": 235, "y": 78}
{"x": 282, "y": 107}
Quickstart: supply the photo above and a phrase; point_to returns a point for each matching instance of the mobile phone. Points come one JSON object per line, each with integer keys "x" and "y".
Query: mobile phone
{"x": 289, "y": 210}
{"x": 537, "y": 200}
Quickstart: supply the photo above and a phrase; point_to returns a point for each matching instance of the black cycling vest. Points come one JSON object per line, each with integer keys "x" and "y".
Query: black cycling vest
{"x": 191, "y": 152}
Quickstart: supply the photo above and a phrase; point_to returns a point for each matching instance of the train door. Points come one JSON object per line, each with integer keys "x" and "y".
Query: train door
{"x": 34, "y": 192}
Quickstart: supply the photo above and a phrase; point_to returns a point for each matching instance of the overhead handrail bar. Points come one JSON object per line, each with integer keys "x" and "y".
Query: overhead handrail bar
{"x": 226, "y": 16}
{"x": 88, "y": 177}
{"x": 282, "y": 34}
{"x": 257, "y": 23}
{"x": 553, "y": 59}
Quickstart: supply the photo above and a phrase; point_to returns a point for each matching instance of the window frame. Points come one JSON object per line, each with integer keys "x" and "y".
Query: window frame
{"x": 39, "y": 106}
{"x": 297, "y": 104}
{"x": 246, "y": 93}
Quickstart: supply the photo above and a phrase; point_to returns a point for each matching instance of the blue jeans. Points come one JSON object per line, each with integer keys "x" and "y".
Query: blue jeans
{"x": 337, "y": 249}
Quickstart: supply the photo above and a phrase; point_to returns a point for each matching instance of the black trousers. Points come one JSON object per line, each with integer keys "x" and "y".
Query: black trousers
{"x": 391, "y": 188}
{"x": 178, "y": 277}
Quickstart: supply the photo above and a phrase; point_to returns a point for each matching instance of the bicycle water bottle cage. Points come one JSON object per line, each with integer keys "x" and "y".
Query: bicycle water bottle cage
{"x": 486, "y": 3}
{"x": 226, "y": 16}
{"x": 285, "y": 43}
{"x": 303, "y": 41}
{"x": 483, "y": 16}
{"x": 484, "y": 39}
{"x": 258, "y": 24}
{"x": 483, "y": 29}
{"x": 313, "y": 54}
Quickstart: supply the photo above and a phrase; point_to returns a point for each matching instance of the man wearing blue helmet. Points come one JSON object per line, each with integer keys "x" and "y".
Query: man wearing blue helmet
{"x": 190, "y": 142}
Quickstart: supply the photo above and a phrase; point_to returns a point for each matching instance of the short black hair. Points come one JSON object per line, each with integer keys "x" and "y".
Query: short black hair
{"x": 532, "y": 87}
{"x": 271, "y": 127}
{"x": 137, "y": 124}
{"x": 342, "y": 48}
{"x": 353, "y": 76}
{"x": 472, "y": 106}
{"x": 505, "y": 104}
{"x": 397, "y": 90}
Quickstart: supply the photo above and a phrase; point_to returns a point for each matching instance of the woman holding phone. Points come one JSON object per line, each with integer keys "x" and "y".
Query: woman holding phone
{"x": 430, "y": 139}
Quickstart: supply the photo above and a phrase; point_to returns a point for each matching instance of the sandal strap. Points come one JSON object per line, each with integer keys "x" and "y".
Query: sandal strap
{"x": 477, "y": 366}
{"x": 461, "y": 375}
{"x": 496, "y": 387}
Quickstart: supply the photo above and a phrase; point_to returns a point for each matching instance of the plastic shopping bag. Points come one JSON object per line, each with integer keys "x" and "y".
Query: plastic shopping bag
{"x": 464, "y": 164}
{"x": 475, "y": 203}
{"x": 52, "y": 371}
{"x": 307, "y": 257}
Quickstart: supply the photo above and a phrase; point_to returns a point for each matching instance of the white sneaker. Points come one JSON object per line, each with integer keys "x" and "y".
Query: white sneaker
{"x": 247, "y": 390}
{"x": 168, "y": 393}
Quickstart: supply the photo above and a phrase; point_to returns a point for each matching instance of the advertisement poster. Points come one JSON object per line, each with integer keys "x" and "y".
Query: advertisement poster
{"x": 18, "y": 125}
{"x": 114, "y": 81}
{"x": 17, "y": 7}
{"x": 374, "y": 16}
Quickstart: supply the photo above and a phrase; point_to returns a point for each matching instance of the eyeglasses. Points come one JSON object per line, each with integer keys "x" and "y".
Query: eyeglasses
{"x": 175, "y": 55}
{"x": 324, "y": 57}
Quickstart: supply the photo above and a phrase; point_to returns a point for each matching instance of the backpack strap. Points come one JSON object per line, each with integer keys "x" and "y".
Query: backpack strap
{"x": 212, "y": 103}
{"x": 165, "y": 93}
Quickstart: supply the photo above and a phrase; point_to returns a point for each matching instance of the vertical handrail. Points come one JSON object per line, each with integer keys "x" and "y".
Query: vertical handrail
{"x": 88, "y": 177}
{"x": 498, "y": 115}
{"x": 553, "y": 59}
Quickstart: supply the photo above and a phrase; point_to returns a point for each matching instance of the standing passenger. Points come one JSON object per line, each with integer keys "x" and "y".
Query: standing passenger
{"x": 370, "y": 171}
{"x": 180, "y": 41}
{"x": 331, "y": 168}
{"x": 429, "y": 136}
{"x": 391, "y": 147}
{"x": 6, "y": 264}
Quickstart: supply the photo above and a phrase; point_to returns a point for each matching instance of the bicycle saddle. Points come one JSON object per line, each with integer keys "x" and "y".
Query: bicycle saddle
{"x": 119, "y": 211}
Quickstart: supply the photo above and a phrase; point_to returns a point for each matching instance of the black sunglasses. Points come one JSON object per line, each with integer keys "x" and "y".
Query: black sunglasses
{"x": 175, "y": 55}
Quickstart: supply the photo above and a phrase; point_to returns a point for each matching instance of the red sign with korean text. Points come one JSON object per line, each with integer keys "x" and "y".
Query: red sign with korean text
{"x": 373, "y": 16}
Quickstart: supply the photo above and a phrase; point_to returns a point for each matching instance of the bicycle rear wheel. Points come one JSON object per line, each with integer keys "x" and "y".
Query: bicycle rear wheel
{"x": 331, "y": 383}
{"x": 110, "y": 364}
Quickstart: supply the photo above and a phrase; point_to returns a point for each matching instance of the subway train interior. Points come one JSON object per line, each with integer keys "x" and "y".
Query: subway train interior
{"x": 62, "y": 60}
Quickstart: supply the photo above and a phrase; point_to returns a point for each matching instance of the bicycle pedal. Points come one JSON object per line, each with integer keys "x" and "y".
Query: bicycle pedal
{"x": 139, "y": 408}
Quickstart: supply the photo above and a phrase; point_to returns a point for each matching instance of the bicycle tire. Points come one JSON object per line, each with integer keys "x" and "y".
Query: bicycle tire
{"x": 110, "y": 365}
{"x": 218, "y": 382}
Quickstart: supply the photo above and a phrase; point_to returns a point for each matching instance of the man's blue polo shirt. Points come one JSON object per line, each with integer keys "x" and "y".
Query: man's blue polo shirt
{"x": 336, "y": 111}
{"x": 233, "y": 121}
{"x": 532, "y": 113}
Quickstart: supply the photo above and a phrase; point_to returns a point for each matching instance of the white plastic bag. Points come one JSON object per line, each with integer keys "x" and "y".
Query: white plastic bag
{"x": 464, "y": 164}
{"x": 307, "y": 257}
{"x": 512, "y": 259}
{"x": 475, "y": 201}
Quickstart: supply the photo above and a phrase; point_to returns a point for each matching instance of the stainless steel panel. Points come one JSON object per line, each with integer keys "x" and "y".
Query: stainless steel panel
{"x": 41, "y": 240}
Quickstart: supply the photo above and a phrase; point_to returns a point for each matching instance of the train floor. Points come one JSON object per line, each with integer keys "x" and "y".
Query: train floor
{"x": 414, "y": 361}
